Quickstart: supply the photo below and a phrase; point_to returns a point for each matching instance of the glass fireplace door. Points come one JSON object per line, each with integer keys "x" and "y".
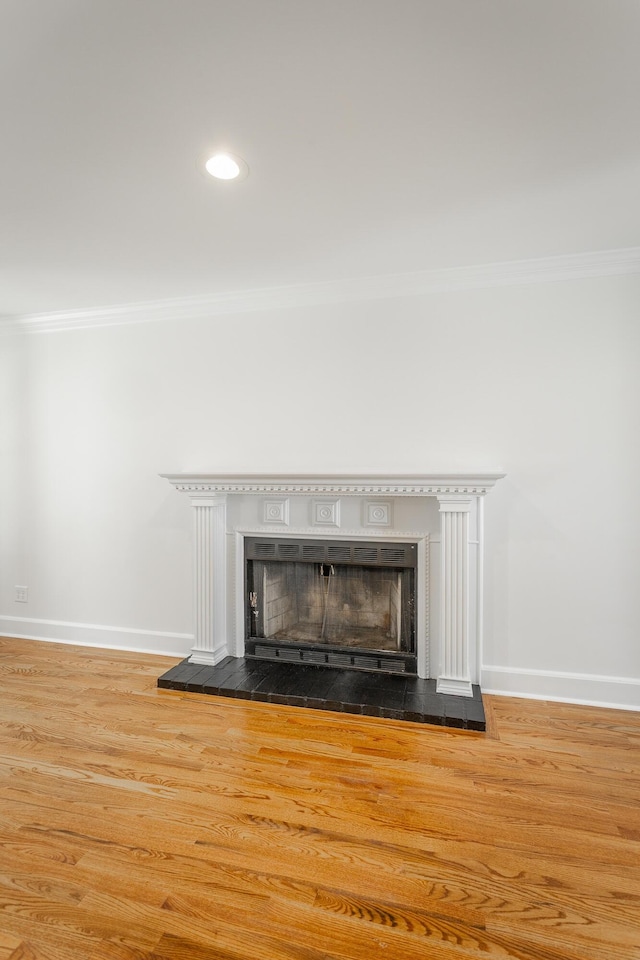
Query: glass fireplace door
{"x": 295, "y": 598}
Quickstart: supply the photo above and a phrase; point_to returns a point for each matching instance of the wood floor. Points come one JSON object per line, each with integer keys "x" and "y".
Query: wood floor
{"x": 149, "y": 824}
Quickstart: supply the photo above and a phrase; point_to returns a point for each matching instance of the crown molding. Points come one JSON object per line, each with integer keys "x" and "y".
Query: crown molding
{"x": 578, "y": 266}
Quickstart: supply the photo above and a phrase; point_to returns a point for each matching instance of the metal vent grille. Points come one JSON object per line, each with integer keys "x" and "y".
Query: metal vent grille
{"x": 395, "y": 666}
{"x": 364, "y": 662}
{"x": 288, "y": 551}
{"x": 339, "y": 659}
{"x": 339, "y": 552}
{"x": 365, "y": 554}
{"x": 392, "y": 554}
{"x": 313, "y": 551}
{"x": 314, "y": 656}
{"x": 265, "y": 548}
{"x": 286, "y": 653}
{"x": 265, "y": 653}
{"x": 332, "y": 658}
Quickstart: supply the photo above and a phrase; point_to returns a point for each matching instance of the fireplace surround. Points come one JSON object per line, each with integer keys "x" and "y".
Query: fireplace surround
{"x": 439, "y": 517}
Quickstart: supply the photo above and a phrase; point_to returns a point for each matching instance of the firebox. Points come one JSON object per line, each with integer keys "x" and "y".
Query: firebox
{"x": 339, "y": 602}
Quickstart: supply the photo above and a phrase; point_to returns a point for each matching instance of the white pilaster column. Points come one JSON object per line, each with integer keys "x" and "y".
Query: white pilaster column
{"x": 454, "y": 596}
{"x": 210, "y": 579}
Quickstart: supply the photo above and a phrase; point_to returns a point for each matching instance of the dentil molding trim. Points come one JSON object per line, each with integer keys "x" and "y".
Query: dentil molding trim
{"x": 579, "y": 266}
{"x": 403, "y": 485}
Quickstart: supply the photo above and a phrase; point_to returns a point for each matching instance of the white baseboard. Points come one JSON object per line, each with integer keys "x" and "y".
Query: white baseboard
{"x": 97, "y": 635}
{"x": 621, "y": 693}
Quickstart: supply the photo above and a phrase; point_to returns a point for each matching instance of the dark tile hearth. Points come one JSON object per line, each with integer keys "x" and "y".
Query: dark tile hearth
{"x": 329, "y": 688}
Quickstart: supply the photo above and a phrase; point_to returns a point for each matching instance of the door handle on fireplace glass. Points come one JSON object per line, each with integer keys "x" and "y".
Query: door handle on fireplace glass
{"x": 253, "y": 602}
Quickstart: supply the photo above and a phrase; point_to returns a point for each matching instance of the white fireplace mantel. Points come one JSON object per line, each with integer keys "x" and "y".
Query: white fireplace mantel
{"x": 457, "y": 493}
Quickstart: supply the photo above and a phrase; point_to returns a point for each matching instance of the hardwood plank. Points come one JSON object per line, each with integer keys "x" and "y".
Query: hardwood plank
{"x": 9, "y": 946}
{"x": 138, "y": 823}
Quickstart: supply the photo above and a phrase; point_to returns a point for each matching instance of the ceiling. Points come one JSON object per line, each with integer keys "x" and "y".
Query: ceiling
{"x": 382, "y": 136}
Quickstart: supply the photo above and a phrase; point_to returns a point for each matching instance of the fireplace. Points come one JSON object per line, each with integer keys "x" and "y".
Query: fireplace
{"x": 297, "y": 575}
{"x": 341, "y": 603}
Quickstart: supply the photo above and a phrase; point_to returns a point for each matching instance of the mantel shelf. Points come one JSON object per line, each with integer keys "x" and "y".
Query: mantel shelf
{"x": 411, "y": 485}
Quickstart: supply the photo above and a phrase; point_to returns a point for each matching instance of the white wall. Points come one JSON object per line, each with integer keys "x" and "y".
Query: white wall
{"x": 542, "y": 381}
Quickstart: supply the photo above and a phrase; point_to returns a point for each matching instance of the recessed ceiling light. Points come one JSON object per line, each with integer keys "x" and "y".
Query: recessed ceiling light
{"x": 224, "y": 166}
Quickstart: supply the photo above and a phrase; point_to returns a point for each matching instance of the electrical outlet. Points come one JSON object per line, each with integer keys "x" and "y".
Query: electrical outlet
{"x": 22, "y": 594}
